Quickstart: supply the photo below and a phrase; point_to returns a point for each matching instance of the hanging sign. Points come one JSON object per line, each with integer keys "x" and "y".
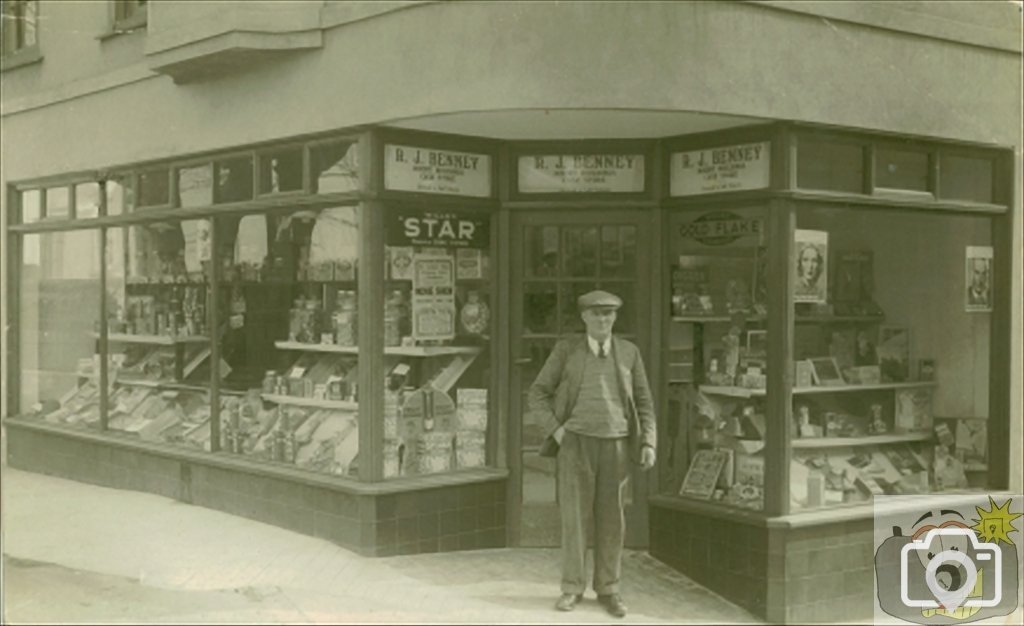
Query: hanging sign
{"x": 433, "y": 298}
{"x": 581, "y": 173}
{"x": 441, "y": 229}
{"x": 729, "y": 168}
{"x": 426, "y": 170}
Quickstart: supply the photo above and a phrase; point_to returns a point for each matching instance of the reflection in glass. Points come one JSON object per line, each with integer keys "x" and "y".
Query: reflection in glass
{"x": 281, "y": 171}
{"x": 195, "y": 186}
{"x": 234, "y": 180}
{"x": 119, "y": 195}
{"x": 831, "y": 165}
{"x": 58, "y": 202}
{"x": 30, "y": 206}
{"x": 58, "y": 313}
{"x": 579, "y": 247}
{"x": 541, "y": 251}
{"x": 901, "y": 169}
{"x": 335, "y": 166}
{"x": 570, "y": 321}
{"x": 540, "y": 308}
{"x": 618, "y": 251}
{"x": 154, "y": 188}
{"x": 966, "y": 178}
{"x": 87, "y": 200}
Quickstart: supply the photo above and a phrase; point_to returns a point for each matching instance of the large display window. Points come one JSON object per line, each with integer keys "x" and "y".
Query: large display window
{"x": 437, "y": 337}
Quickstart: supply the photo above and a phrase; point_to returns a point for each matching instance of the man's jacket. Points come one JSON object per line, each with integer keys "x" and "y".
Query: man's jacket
{"x": 553, "y": 395}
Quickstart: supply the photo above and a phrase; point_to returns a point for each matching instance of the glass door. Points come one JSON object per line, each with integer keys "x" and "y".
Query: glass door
{"x": 555, "y": 259}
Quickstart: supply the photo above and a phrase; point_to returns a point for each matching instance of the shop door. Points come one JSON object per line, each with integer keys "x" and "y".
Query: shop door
{"x": 555, "y": 259}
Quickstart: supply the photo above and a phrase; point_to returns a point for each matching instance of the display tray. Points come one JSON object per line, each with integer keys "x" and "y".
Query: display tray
{"x": 874, "y": 440}
{"x": 157, "y": 340}
{"x": 341, "y": 405}
{"x": 395, "y": 350}
{"x": 743, "y": 392}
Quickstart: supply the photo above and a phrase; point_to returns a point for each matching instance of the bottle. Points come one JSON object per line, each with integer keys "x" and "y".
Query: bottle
{"x": 269, "y": 382}
{"x": 475, "y": 314}
{"x": 393, "y": 314}
{"x": 295, "y": 319}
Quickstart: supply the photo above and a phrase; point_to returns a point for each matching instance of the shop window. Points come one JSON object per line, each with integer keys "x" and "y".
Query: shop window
{"x": 830, "y": 165}
{"x": 87, "y": 200}
{"x": 897, "y": 400}
{"x": 159, "y": 343}
{"x": 31, "y": 206}
{"x": 714, "y": 432}
{"x": 281, "y": 171}
{"x": 130, "y": 14}
{"x": 120, "y": 195}
{"x": 58, "y": 202}
{"x": 966, "y": 178}
{"x": 288, "y": 296}
{"x": 335, "y": 166}
{"x": 58, "y": 313}
{"x": 195, "y": 186}
{"x": 154, "y": 188}
{"x": 20, "y": 21}
{"x": 901, "y": 170}
{"x": 234, "y": 180}
{"x": 437, "y": 336}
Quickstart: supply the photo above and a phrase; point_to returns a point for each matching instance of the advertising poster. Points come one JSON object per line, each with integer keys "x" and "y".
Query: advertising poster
{"x": 810, "y": 270}
{"x": 978, "y": 279}
{"x": 433, "y": 298}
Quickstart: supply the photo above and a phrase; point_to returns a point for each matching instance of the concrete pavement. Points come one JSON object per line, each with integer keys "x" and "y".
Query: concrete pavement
{"x": 77, "y": 553}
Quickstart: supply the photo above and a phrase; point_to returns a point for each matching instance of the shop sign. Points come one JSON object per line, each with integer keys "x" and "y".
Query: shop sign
{"x": 722, "y": 228}
{"x": 581, "y": 173}
{"x": 433, "y": 298}
{"x": 425, "y": 170}
{"x": 438, "y": 229}
{"x": 728, "y": 168}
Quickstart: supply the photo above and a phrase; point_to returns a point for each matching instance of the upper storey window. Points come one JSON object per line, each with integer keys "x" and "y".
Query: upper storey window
{"x": 129, "y": 14}
{"x": 20, "y": 18}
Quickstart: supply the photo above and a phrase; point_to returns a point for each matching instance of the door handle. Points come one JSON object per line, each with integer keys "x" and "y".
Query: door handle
{"x": 523, "y": 360}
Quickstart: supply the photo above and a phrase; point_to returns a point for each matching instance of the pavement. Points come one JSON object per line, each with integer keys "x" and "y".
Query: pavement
{"x": 78, "y": 553}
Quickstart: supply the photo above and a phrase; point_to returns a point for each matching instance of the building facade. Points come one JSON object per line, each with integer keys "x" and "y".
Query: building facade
{"x": 301, "y": 261}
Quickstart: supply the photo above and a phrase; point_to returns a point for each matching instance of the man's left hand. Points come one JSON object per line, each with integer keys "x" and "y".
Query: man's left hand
{"x": 647, "y": 457}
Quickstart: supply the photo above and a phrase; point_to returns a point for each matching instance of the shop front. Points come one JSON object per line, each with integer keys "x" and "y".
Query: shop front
{"x": 335, "y": 333}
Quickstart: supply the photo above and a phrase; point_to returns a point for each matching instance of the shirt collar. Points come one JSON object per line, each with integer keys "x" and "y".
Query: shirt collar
{"x": 594, "y": 345}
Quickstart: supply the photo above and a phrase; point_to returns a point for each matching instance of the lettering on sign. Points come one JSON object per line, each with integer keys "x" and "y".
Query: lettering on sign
{"x": 581, "y": 173}
{"x": 722, "y": 228}
{"x": 425, "y": 170}
{"x": 729, "y": 168}
{"x": 447, "y": 229}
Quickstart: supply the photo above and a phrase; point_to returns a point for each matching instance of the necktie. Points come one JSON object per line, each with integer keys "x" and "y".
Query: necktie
{"x": 600, "y": 351}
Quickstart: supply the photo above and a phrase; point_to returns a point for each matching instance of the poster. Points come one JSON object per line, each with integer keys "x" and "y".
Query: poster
{"x": 978, "y": 279}
{"x": 810, "y": 270}
{"x": 433, "y": 298}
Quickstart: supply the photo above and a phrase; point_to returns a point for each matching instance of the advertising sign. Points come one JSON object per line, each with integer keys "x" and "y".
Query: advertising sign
{"x": 729, "y": 168}
{"x": 433, "y": 298}
{"x": 426, "y": 170}
{"x": 440, "y": 229}
{"x": 581, "y": 173}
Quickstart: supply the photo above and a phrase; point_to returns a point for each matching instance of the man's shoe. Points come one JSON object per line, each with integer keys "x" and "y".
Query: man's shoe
{"x": 613, "y": 604}
{"x": 568, "y": 601}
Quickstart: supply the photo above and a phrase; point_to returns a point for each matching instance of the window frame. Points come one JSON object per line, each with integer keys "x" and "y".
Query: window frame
{"x": 124, "y": 20}
{"x": 25, "y": 54}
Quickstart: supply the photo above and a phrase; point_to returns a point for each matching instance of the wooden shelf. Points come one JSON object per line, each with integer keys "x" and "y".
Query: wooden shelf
{"x": 800, "y": 319}
{"x": 421, "y": 351}
{"x": 873, "y": 440}
{"x": 341, "y": 405}
{"x": 742, "y": 392}
{"x": 156, "y": 340}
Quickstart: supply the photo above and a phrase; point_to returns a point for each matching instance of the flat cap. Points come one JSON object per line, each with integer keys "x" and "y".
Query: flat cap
{"x": 599, "y": 299}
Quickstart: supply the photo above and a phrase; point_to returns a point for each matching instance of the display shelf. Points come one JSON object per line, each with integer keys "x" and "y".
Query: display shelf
{"x": 873, "y": 440}
{"x": 422, "y": 351}
{"x": 155, "y": 340}
{"x": 311, "y": 402}
{"x": 743, "y": 392}
{"x": 173, "y": 386}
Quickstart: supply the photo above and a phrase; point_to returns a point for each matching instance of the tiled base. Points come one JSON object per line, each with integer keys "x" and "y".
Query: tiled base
{"x": 433, "y": 519}
{"x": 784, "y": 575}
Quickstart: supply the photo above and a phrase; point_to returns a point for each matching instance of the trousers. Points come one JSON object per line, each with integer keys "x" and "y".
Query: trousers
{"x": 592, "y": 474}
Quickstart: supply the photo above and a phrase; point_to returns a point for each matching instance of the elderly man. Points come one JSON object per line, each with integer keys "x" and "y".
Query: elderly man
{"x": 593, "y": 396}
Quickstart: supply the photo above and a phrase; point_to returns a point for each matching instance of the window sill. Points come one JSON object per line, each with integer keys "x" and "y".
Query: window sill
{"x": 124, "y": 27}
{"x": 21, "y": 58}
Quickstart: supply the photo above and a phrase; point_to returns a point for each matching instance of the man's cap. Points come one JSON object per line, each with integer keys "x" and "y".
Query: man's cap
{"x": 599, "y": 299}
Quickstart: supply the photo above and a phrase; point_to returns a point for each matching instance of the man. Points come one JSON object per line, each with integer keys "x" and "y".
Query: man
{"x": 592, "y": 395}
{"x": 977, "y": 293}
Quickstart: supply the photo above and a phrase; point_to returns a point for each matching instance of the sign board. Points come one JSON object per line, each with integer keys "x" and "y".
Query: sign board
{"x": 433, "y": 298}
{"x": 441, "y": 229}
{"x": 723, "y": 228}
{"x": 426, "y": 170}
{"x": 728, "y": 168}
{"x": 581, "y": 173}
